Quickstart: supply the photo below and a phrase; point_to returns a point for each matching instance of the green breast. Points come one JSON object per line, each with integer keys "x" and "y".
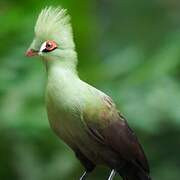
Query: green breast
{"x": 64, "y": 105}
{"x": 67, "y": 99}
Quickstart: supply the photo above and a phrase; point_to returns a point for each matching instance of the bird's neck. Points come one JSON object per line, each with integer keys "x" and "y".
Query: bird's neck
{"x": 64, "y": 64}
{"x": 62, "y": 83}
{"x": 62, "y": 71}
{"x": 59, "y": 66}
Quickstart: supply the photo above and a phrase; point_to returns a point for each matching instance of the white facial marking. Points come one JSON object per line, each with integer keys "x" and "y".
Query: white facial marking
{"x": 43, "y": 46}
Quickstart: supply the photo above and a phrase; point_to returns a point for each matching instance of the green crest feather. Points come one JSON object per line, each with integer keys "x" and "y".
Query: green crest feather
{"x": 54, "y": 23}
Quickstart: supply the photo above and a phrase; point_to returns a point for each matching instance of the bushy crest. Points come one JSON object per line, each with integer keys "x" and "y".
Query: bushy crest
{"x": 52, "y": 20}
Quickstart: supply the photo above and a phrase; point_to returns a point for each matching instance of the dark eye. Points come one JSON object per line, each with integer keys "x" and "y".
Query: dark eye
{"x": 50, "y": 46}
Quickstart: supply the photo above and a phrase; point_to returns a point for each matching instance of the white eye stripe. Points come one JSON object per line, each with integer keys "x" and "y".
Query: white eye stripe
{"x": 43, "y": 47}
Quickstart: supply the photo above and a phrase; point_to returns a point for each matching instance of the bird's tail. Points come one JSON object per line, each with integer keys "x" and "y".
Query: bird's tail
{"x": 135, "y": 172}
{"x": 137, "y": 176}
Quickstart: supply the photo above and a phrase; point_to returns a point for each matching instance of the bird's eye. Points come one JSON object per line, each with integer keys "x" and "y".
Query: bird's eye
{"x": 49, "y": 46}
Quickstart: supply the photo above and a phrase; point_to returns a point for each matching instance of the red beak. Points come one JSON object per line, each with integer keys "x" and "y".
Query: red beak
{"x": 31, "y": 52}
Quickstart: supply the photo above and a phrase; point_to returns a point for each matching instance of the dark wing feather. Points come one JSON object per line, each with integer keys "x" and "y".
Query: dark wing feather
{"x": 122, "y": 139}
{"x": 89, "y": 166}
{"x": 118, "y": 136}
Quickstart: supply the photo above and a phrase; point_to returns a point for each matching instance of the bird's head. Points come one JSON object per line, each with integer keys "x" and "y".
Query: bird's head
{"x": 53, "y": 36}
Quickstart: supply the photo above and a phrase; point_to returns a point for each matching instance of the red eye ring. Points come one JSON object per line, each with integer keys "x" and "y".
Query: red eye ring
{"x": 50, "y": 45}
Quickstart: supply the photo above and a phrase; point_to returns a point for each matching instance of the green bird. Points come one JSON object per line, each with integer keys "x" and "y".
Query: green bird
{"x": 85, "y": 118}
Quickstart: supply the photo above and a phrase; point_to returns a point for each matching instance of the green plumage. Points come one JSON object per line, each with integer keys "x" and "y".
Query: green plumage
{"x": 73, "y": 105}
{"x": 83, "y": 117}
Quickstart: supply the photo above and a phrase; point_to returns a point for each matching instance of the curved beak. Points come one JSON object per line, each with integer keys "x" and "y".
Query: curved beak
{"x": 31, "y": 52}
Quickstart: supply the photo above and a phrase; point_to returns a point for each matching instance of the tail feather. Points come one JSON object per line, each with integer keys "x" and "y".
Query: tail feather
{"x": 137, "y": 176}
{"x": 133, "y": 171}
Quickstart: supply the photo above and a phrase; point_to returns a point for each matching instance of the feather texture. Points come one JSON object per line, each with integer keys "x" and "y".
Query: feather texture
{"x": 52, "y": 20}
{"x": 54, "y": 23}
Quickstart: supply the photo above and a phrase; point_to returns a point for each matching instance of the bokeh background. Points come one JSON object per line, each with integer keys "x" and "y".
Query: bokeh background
{"x": 129, "y": 49}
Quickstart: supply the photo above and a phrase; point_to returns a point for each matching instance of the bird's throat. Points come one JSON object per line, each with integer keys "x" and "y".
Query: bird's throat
{"x": 60, "y": 64}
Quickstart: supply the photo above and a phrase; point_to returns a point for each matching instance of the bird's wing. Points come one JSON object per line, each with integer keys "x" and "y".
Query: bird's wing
{"x": 111, "y": 128}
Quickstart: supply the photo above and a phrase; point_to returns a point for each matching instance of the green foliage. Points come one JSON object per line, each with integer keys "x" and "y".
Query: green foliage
{"x": 130, "y": 50}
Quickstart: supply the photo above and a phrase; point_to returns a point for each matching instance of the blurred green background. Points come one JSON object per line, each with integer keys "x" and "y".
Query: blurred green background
{"x": 129, "y": 49}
